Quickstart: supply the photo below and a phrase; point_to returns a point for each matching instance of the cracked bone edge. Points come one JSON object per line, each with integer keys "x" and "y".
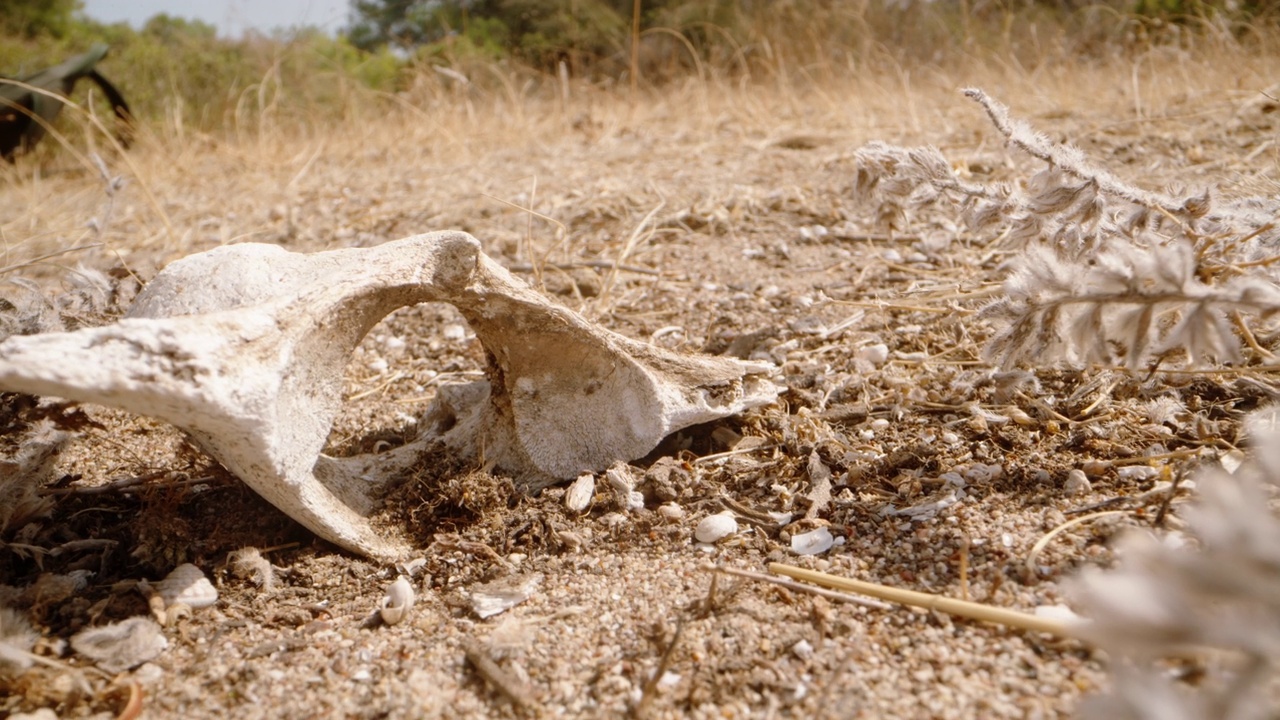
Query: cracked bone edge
{"x": 245, "y": 348}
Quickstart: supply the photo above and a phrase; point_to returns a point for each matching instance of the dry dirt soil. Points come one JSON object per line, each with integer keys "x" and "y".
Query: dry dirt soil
{"x": 730, "y": 216}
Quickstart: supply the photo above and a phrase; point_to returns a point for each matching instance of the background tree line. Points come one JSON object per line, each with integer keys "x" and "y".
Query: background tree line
{"x": 184, "y": 71}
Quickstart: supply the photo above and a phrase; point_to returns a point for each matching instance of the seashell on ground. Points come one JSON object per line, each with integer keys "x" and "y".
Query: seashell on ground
{"x": 398, "y": 602}
{"x": 715, "y": 528}
{"x": 580, "y": 493}
{"x": 812, "y": 542}
{"x": 187, "y": 585}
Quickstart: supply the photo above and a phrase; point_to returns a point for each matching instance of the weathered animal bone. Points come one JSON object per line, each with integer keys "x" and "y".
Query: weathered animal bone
{"x": 244, "y": 347}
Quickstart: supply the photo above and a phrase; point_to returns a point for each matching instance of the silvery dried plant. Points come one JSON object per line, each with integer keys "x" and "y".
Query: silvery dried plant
{"x": 1104, "y": 272}
{"x": 1212, "y": 595}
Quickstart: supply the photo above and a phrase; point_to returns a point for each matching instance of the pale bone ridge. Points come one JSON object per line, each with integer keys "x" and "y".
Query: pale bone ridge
{"x": 244, "y": 347}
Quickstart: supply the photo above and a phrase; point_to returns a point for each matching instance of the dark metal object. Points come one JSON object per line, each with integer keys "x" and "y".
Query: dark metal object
{"x": 25, "y": 113}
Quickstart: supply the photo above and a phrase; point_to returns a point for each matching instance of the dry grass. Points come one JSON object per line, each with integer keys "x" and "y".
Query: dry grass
{"x": 429, "y": 157}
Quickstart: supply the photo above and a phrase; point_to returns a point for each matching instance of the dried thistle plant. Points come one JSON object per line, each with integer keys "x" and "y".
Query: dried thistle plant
{"x": 17, "y": 637}
{"x": 24, "y": 472}
{"x": 1104, "y": 272}
{"x": 1214, "y": 595}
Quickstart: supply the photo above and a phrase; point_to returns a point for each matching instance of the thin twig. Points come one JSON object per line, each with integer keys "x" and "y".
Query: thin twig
{"x": 596, "y": 264}
{"x": 929, "y": 601}
{"x": 799, "y": 587}
{"x": 651, "y": 686}
{"x": 501, "y": 680}
{"x": 56, "y": 253}
{"x": 1029, "y": 565}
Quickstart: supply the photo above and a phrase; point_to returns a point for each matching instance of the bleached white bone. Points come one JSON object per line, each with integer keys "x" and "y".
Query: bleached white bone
{"x": 245, "y": 347}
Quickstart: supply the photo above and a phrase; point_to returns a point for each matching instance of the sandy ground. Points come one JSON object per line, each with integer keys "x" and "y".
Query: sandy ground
{"x": 738, "y": 205}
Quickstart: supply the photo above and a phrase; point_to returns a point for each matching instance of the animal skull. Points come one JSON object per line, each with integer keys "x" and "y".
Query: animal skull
{"x": 245, "y": 346}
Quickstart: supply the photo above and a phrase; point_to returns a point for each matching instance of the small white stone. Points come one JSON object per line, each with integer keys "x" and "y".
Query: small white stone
{"x": 579, "y": 495}
{"x": 802, "y": 649}
{"x": 454, "y": 331}
{"x": 187, "y": 585}
{"x": 715, "y": 528}
{"x": 1077, "y": 483}
{"x": 671, "y": 511}
{"x": 812, "y": 542}
{"x": 1062, "y": 613}
{"x": 1137, "y": 473}
{"x": 879, "y": 424}
{"x": 877, "y": 354}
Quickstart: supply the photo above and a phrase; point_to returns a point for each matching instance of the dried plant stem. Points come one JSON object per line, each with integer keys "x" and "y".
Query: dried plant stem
{"x": 953, "y": 606}
{"x": 501, "y": 680}
{"x": 1029, "y": 565}
{"x": 799, "y": 587}
{"x": 1065, "y": 158}
{"x": 56, "y": 253}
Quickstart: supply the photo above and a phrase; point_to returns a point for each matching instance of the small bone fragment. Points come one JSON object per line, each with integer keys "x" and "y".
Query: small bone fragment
{"x": 245, "y": 347}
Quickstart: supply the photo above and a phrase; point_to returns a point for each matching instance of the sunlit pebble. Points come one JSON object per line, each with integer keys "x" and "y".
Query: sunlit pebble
{"x": 876, "y": 354}
{"x": 867, "y": 435}
{"x": 802, "y": 649}
{"x": 1077, "y": 483}
{"x": 454, "y": 331}
{"x": 715, "y": 528}
{"x": 671, "y": 511}
{"x": 950, "y": 438}
{"x": 891, "y": 256}
{"x": 393, "y": 343}
{"x": 1094, "y": 468}
{"x": 879, "y": 424}
{"x": 378, "y": 365}
{"x": 1137, "y": 472}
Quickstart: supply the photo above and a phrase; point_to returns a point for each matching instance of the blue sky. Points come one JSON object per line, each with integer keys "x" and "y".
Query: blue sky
{"x": 231, "y": 17}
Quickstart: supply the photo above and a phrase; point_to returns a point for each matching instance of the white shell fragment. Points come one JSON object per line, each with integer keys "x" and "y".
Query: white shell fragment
{"x": 715, "y": 528}
{"x": 398, "y": 602}
{"x": 245, "y": 347}
{"x": 623, "y": 485}
{"x": 188, "y": 585}
{"x": 671, "y": 511}
{"x": 813, "y": 542}
{"x": 122, "y": 645}
{"x": 579, "y": 495}
{"x": 501, "y": 595}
